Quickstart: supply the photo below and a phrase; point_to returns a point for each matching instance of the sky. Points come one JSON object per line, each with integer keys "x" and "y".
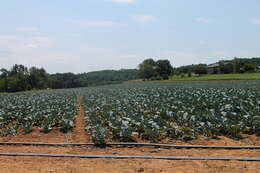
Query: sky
{"x": 89, "y": 35}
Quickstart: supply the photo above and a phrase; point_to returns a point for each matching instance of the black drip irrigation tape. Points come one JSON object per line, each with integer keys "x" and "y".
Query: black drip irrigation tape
{"x": 137, "y": 144}
{"x": 128, "y": 157}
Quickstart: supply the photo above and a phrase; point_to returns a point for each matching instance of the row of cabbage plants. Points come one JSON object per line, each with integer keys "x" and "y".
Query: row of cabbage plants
{"x": 155, "y": 111}
{"x": 42, "y": 109}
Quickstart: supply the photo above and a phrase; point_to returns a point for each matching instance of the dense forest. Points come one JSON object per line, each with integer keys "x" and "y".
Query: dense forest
{"x": 21, "y": 78}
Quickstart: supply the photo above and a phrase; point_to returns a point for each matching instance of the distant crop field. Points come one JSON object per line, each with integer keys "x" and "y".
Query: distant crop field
{"x": 246, "y": 76}
{"x": 151, "y": 111}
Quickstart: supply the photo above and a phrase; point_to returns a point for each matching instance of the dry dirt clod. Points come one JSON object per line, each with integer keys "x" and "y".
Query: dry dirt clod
{"x": 141, "y": 170}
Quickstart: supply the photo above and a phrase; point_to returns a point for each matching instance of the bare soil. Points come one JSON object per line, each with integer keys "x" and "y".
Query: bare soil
{"x": 79, "y": 135}
{"x": 62, "y": 165}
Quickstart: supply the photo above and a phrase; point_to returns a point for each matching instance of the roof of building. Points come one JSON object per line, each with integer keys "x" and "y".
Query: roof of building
{"x": 213, "y": 65}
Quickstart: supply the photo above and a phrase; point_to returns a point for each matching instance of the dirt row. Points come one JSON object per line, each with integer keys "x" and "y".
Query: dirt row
{"x": 79, "y": 135}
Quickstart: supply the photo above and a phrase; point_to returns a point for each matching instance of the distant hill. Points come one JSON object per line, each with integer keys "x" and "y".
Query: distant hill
{"x": 108, "y": 76}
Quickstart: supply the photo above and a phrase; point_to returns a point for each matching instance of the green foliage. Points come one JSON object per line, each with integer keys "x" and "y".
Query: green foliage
{"x": 187, "y": 69}
{"x": 64, "y": 80}
{"x": 248, "y": 67}
{"x": 184, "y": 111}
{"x": 200, "y": 70}
{"x": 149, "y": 69}
{"x": 67, "y": 125}
{"x": 19, "y": 78}
{"x": 163, "y": 67}
{"x": 43, "y": 109}
{"x": 107, "y": 77}
{"x": 151, "y": 110}
{"x": 225, "y": 67}
{"x": 38, "y": 78}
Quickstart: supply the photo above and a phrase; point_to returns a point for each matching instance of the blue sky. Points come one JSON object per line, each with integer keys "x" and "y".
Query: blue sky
{"x": 88, "y": 35}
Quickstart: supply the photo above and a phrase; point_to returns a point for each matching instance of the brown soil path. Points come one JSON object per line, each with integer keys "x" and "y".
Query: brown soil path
{"x": 79, "y": 133}
{"x": 70, "y": 165}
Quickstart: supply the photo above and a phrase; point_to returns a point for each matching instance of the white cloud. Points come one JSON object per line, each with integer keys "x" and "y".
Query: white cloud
{"x": 20, "y": 50}
{"x": 124, "y": 1}
{"x": 256, "y": 21}
{"x": 144, "y": 18}
{"x": 37, "y": 42}
{"x": 18, "y": 44}
{"x": 202, "y": 20}
{"x": 98, "y": 23}
{"x": 29, "y": 29}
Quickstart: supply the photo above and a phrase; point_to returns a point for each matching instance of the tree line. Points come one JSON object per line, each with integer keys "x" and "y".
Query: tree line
{"x": 236, "y": 65}
{"x": 21, "y": 78}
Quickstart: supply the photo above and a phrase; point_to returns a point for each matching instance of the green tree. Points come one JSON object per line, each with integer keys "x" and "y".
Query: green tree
{"x": 164, "y": 68}
{"x": 3, "y": 79}
{"x": 21, "y": 69}
{"x": 18, "y": 82}
{"x": 4, "y": 73}
{"x": 38, "y": 78}
{"x": 249, "y": 67}
{"x": 147, "y": 69}
{"x": 200, "y": 70}
{"x": 17, "y": 79}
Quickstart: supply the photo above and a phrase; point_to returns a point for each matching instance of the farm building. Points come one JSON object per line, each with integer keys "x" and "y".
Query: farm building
{"x": 221, "y": 67}
{"x": 213, "y": 68}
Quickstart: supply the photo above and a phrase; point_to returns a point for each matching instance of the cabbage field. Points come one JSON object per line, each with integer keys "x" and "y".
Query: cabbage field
{"x": 155, "y": 111}
{"x": 151, "y": 111}
{"x": 42, "y": 109}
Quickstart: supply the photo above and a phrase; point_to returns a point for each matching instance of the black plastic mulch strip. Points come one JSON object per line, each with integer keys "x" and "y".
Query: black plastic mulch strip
{"x": 128, "y": 157}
